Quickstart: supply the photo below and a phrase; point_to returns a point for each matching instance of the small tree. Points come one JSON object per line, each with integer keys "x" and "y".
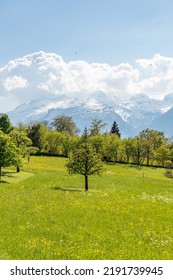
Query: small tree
{"x": 5, "y": 124}
{"x": 38, "y": 134}
{"x": 115, "y": 129}
{"x": 65, "y": 124}
{"x": 21, "y": 141}
{"x": 96, "y": 127}
{"x": 85, "y": 161}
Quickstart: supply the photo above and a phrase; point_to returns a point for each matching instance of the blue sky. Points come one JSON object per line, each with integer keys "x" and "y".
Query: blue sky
{"x": 109, "y": 31}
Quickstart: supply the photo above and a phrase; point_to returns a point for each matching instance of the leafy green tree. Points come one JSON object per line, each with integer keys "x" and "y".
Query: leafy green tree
{"x": 121, "y": 151}
{"x": 115, "y": 129}
{"x": 85, "y": 161}
{"x": 170, "y": 145}
{"x": 151, "y": 140}
{"x": 162, "y": 154}
{"x": 138, "y": 153}
{"x": 69, "y": 143}
{"x": 111, "y": 147}
{"x": 22, "y": 127}
{"x": 5, "y": 124}
{"x": 54, "y": 141}
{"x": 9, "y": 153}
{"x": 128, "y": 148}
{"x": 65, "y": 124}
{"x": 98, "y": 143}
{"x": 96, "y": 127}
{"x": 22, "y": 142}
{"x": 38, "y": 135}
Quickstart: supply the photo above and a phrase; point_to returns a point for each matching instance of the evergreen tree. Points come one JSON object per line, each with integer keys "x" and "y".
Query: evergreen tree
{"x": 85, "y": 136}
{"x": 5, "y": 124}
{"x": 38, "y": 133}
{"x": 115, "y": 129}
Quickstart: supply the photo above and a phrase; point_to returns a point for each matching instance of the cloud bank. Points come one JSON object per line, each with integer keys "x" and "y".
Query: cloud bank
{"x": 15, "y": 82}
{"x": 34, "y": 75}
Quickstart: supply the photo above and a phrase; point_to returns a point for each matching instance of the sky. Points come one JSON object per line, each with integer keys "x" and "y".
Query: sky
{"x": 123, "y": 47}
{"x": 105, "y": 31}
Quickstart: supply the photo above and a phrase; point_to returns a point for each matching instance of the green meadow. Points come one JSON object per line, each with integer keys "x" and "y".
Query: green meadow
{"x": 127, "y": 214}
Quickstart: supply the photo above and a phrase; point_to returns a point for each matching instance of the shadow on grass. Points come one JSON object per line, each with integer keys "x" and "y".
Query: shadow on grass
{"x": 8, "y": 173}
{"x": 2, "y": 181}
{"x": 66, "y": 189}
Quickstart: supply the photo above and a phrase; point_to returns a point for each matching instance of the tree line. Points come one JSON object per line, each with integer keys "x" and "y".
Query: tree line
{"x": 62, "y": 137}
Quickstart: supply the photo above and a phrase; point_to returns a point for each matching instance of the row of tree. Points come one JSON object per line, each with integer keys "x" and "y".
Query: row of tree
{"x": 62, "y": 137}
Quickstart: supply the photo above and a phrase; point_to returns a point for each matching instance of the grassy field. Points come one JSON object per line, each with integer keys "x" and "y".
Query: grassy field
{"x": 46, "y": 214}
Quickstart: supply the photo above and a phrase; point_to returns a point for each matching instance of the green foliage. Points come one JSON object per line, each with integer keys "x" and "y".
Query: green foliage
{"x": 150, "y": 141}
{"x": 168, "y": 172}
{"x": 96, "y": 127}
{"x": 98, "y": 143}
{"x": 68, "y": 144}
{"x": 5, "y": 124}
{"x": 112, "y": 146}
{"x": 9, "y": 153}
{"x": 85, "y": 161}
{"x": 128, "y": 148}
{"x": 150, "y": 147}
{"x": 115, "y": 129}
{"x": 162, "y": 154}
{"x": 65, "y": 124}
{"x": 20, "y": 139}
{"x": 22, "y": 127}
{"x": 38, "y": 134}
{"x": 54, "y": 141}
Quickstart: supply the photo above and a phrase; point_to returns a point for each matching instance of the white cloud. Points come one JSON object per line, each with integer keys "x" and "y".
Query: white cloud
{"x": 15, "y": 82}
{"x": 156, "y": 76}
{"x": 48, "y": 73}
{"x": 20, "y": 62}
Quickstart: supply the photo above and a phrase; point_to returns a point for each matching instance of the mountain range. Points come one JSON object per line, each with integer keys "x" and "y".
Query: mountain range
{"x": 133, "y": 115}
{"x": 45, "y": 89}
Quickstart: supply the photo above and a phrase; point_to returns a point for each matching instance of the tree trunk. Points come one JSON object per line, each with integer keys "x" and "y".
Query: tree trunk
{"x": 18, "y": 169}
{"x": 86, "y": 182}
{"x": 138, "y": 158}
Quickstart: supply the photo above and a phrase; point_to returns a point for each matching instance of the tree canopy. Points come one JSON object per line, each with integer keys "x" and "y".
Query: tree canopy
{"x": 96, "y": 127}
{"x": 85, "y": 161}
{"x": 115, "y": 129}
{"x": 65, "y": 124}
{"x": 5, "y": 124}
{"x": 9, "y": 153}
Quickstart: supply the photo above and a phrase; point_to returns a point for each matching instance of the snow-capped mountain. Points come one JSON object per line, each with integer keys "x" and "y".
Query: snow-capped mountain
{"x": 40, "y": 86}
{"x": 132, "y": 116}
{"x": 82, "y": 111}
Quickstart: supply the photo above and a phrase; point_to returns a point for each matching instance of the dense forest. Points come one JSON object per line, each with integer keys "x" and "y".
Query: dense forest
{"x": 62, "y": 137}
